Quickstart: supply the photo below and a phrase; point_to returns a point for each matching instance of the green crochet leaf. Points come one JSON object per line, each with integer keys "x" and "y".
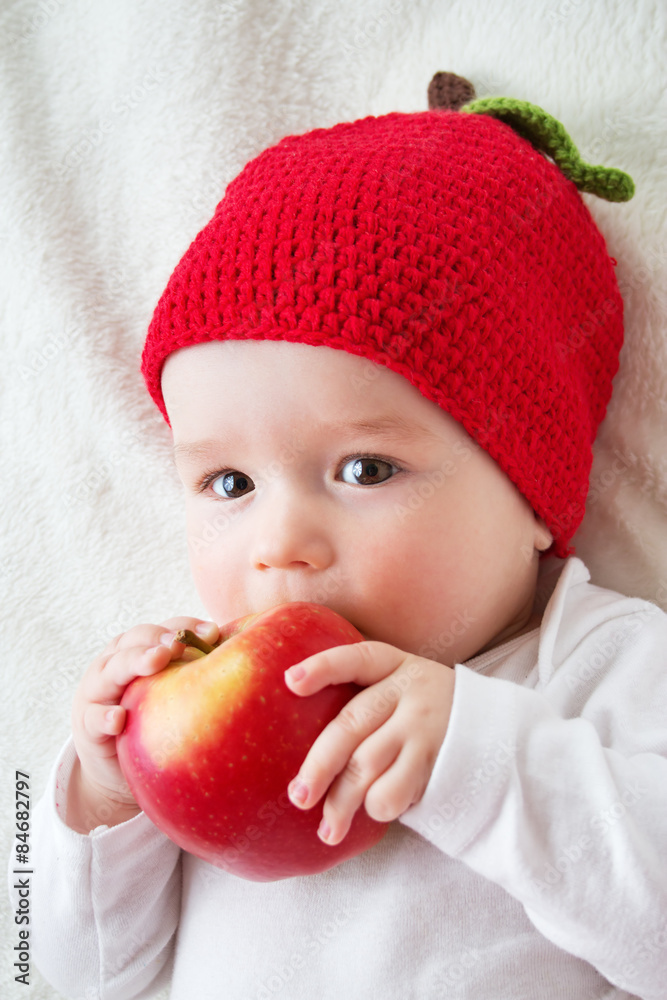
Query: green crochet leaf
{"x": 546, "y": 133}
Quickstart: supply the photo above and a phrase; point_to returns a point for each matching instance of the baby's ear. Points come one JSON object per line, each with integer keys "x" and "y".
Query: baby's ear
{"x": 543, "y": 537}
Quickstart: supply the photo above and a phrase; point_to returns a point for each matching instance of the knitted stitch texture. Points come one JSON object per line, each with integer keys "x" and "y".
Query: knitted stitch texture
{"x": 546, "y": 133}
{"x": 442, "y": 245}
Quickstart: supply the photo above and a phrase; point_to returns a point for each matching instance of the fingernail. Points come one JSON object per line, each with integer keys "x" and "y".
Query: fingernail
{"x": 205, "y": 628}
{"x": 324, "y": 830}
{"x": 296, "y": 673}
{"x": 110, "y": 714}
{"x": 298, "y": 791}
{"x": 167, "y": 638}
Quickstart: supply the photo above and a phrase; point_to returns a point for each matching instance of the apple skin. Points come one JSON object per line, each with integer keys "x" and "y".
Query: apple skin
{"x": 210, "y": 745}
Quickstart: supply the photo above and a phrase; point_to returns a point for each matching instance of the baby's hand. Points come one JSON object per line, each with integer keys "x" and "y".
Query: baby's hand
{"x": 382, "y": 746}
{"x": 98, "y": 717}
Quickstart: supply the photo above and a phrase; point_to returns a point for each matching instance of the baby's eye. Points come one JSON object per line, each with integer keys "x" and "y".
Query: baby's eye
{"x": 365, "y": 470}
{"x": 369, "y": 470}
{"x": 230, "y": 483}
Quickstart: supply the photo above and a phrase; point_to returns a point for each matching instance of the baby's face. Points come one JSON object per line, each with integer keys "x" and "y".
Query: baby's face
{"x": 411, "y": 531}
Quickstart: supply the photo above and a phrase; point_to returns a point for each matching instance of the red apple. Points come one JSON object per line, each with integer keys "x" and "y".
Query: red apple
{"x": 210, "y": 746}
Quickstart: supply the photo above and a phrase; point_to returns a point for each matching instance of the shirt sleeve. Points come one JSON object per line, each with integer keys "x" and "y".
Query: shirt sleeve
{"x": 558, "y": 793}
{"x": 104, "y": 905}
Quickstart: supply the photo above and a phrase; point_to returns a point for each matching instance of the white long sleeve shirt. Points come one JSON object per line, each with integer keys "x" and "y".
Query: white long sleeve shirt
{"x": 532, "y": 867}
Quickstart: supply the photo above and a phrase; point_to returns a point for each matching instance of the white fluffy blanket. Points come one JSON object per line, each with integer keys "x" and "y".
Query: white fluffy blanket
{"x": 121, "y": 124}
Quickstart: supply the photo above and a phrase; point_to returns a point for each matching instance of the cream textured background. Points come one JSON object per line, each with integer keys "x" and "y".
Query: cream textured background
{"x": 121, "y": 122}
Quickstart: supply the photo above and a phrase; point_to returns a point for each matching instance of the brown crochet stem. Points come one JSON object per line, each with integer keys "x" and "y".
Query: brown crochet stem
{"x": 447, "y": 91}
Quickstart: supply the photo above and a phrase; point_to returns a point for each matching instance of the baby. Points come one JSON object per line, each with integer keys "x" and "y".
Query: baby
{"x": 384, "y": 362}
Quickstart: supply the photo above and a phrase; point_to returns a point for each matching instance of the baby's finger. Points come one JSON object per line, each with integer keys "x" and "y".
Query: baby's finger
{"x": 149, "y": 635}
{"x": 108, "y": 683}
{"x": 102, "y": 723}
{"x": 361, "y": 663}
{"x": 349, "y": 790}
{"x": 333, "y": 748}
{"x": 401, "y": 785}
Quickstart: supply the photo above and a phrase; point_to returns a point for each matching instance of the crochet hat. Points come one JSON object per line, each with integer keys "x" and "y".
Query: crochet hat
{"x": 451, "y": 246}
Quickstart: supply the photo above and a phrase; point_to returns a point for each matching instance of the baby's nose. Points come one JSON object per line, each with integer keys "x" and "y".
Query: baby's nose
{"x": 292, "y": 536}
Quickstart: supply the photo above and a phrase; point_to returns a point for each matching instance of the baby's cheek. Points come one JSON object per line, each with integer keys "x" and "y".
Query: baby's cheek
{"x": 218, "y": 583}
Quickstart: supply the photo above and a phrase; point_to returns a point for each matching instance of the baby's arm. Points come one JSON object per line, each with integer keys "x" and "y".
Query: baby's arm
{"x": 106, "y": 884}
{"x": 568, "y": 814}
{"x": 558, "y": 794}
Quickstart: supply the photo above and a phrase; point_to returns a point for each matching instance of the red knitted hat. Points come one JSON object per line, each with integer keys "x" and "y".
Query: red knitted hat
{"x": 451, "y": 246}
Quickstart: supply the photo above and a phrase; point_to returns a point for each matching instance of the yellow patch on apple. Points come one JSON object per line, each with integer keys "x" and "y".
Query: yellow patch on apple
{"x": 180, "y": 715}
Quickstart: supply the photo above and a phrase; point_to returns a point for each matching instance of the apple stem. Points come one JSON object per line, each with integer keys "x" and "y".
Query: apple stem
{"x": 190, "y": 639}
